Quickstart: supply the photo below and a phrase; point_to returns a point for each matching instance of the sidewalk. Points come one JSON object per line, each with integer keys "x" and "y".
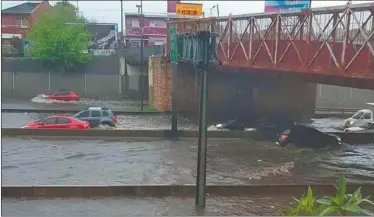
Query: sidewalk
{"x": 175, "y": 206}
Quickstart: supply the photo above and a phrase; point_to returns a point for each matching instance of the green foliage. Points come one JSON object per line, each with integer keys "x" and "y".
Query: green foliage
{"x": 341, "y": 203}
{"x": 344, "y": 203}
{"x": 305, "y": 206}
{"x": 55, "y": 41}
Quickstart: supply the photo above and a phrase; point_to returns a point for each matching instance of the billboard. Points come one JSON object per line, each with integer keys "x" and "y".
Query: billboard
{"x": 104, "y": 38}
{"x": 276, "y": 6}
{"x": 189, "y": 10}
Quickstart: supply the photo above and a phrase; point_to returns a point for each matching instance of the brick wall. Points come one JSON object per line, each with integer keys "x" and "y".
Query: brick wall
{"x": 160, "y": 76}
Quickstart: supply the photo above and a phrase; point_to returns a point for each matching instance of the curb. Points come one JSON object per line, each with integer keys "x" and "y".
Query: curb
{"x": 37, "y": 192}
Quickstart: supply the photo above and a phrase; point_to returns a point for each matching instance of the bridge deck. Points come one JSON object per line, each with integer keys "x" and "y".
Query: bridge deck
{"x": 332, "y": 41}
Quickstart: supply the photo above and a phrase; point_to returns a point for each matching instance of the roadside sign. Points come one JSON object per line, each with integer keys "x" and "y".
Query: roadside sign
{"x": 189, "y": 10}
{"x": 173, "y": 49}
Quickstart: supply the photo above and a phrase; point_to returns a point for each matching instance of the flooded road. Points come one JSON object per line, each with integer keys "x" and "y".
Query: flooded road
{"x": 16, "y": 120}
{"x": 149, "y": 161}
{"x": 41, "y": 103}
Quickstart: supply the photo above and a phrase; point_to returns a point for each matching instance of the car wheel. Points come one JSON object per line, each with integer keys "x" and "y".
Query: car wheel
{"x": 108, "y": 124}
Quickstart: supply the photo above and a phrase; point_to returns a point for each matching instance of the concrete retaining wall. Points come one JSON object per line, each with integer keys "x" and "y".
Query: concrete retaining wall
{"x": 350, "y": 138}
{"x": 38, "y": 192}
{"x": 23, "y": 78}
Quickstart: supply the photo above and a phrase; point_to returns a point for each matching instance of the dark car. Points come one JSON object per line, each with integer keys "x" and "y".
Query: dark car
{"x": 234, "y": 124}
{"x": 305, "y": 136}
{"x": 97, "y": 116}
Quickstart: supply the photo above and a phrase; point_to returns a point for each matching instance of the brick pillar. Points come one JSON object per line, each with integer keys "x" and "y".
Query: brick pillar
{"x": 160, "y": 85}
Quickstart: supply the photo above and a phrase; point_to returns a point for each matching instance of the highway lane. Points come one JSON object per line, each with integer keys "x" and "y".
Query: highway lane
{"x": 15, "y": 120}
{"x": 28, "y": 161}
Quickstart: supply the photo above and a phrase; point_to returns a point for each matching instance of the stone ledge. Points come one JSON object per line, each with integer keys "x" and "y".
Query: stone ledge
{"x": 37, "y": 192}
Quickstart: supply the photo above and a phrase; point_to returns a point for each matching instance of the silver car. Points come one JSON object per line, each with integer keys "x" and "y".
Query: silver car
{"x": 97, "y": 116}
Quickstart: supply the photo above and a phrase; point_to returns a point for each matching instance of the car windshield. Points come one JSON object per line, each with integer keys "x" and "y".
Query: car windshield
{"x": 357, "y": 115}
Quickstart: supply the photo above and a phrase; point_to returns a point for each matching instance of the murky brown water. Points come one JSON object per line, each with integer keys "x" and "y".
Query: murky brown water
{"x": 146, "y": 161}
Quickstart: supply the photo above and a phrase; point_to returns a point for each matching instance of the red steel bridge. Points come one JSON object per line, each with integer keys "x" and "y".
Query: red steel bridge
{"x": 332, "y": 45}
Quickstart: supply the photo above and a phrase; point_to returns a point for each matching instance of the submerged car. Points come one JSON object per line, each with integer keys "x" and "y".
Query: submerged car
{"x": 58, "y": 122}
{"x": 305, "y": 136}
{"x": 98, "y": 116}
{"x": 63, "y": 95}
{"x": 363, "y": 128}
{"x": 234, "y": 124}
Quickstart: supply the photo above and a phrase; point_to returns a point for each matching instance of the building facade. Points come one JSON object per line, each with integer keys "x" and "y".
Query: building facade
{"x": 17, "y": 21}
{"x": 154, "y": 30}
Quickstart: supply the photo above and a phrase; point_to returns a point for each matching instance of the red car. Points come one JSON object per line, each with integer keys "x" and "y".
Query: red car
{"x": 58, "y": 122}
{"x": 64, "y": 95}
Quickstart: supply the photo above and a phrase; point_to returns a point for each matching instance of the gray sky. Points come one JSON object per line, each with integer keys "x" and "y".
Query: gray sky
{"x": 109, "y": 11}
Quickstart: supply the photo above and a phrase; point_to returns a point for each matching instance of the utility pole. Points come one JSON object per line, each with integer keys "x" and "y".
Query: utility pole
{"x": 217, "y": 10}
{"x": 141, "y": 55}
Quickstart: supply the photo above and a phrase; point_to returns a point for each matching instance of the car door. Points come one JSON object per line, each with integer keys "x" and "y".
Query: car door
{"x": 63, "y": 123}
{"x": 48, "y": 123}
{"x": 95, "y": 117}
{"x": 83, "y": 115}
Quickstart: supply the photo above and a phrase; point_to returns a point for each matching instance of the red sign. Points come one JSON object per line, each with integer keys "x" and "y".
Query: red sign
{"x": 172, "y": 5}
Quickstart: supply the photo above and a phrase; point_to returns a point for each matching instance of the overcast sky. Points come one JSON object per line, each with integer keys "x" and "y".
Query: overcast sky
{"x": 109, "y": 11}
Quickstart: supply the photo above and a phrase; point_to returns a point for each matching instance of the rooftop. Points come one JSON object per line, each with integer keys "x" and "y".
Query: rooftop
{"x": 147, "y": 15}
{"x": 25, "y": 8}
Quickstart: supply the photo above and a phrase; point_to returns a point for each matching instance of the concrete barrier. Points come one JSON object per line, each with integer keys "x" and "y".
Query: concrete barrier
{"x": 117, "y": 112}
{"x": 37, "y": 192}
{"x": 350, "y": 138}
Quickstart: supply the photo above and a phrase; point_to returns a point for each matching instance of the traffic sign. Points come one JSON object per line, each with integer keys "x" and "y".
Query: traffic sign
{"x": 189, "y": 10}
{"x": 173, "y": 49}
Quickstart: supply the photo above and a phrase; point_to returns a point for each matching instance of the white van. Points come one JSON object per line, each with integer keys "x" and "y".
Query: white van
{"x": 361, "y": 118}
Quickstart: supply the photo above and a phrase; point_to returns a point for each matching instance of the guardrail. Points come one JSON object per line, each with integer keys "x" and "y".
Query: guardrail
{"x": 350, "y": 138}
{"x": 37, "y": 192}
{"x": 117, "y": 112}
{"x": 332, "y": 111}
{"x": 318, "y": 111}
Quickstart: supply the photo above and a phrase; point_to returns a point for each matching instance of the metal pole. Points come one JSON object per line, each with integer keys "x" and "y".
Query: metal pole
{"x": 141, "y": 56}
{"x": 217, "y": 10}
{"x": 174, "y": 114}
{"x": 123, "y": 34}
{"x": 202, "y": 140}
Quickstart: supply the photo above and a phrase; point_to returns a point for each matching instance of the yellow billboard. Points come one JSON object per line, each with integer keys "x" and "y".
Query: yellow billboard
{"x": 189, "y": 10}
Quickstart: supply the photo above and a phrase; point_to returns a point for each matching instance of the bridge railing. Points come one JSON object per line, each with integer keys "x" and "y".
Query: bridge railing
{"x": 333, "y": 40}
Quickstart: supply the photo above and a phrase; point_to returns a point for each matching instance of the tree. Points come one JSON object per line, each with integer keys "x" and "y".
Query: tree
{"x": 59, "y": 38}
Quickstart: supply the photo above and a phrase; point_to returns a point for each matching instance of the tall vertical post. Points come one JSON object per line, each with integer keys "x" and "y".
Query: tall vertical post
{"x": 173, "y": 53}
{"x": 174, "y": 114}
{"x": 202, "y": 140}
{"x": 141, "y": 56}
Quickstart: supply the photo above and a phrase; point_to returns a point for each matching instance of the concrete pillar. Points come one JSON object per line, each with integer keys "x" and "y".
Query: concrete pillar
{"x": 232, "y": 95}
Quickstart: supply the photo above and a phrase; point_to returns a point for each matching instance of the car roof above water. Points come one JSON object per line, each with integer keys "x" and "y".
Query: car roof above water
{"x": 98, "y": 108}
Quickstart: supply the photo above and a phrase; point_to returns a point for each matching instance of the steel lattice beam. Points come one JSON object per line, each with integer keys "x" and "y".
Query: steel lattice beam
{"x": 333, "y": 41}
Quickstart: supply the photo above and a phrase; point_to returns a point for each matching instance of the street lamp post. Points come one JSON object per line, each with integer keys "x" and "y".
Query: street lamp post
{"x": 141, "y": 54}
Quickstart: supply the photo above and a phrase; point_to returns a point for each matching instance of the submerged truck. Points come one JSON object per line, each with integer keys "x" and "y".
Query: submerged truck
{"x": 362, "y": 120}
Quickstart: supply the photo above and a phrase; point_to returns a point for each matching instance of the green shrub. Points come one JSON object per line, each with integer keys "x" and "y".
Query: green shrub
{"x": 339, "y": 204}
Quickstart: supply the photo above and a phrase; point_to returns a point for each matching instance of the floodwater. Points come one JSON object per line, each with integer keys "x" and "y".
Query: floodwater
{"x": 27, "y": 161}
{"x": 15, "y": 120}
{"x": 39, "y": 102}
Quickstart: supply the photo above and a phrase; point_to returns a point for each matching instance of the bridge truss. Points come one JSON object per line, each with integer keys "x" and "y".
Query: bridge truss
{"x": 334, "y": 41}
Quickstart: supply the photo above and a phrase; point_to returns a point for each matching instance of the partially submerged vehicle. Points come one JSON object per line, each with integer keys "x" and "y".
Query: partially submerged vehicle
{"x": 58, "y": 122}
{"x": 364, "y": 128}
{"x": 97, "y": 116}
{"x": 306, "y": 136}
{"x": 63, "y": 95}
{"x": 361, "y": 118}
